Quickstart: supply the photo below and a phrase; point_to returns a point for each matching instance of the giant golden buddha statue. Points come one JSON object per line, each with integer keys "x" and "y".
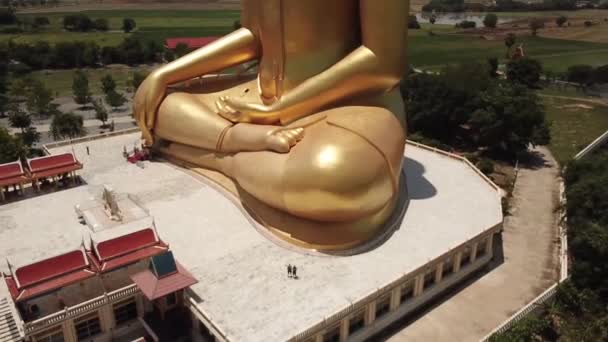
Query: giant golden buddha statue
{"x": 316, "y": 140}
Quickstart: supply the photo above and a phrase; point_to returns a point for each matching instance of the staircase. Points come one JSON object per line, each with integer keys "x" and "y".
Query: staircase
{"x": 9, "y": 331}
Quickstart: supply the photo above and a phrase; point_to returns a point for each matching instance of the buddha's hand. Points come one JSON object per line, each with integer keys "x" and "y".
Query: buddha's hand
{"x": 238, "y": 111}
{"x": 147, "y": 99}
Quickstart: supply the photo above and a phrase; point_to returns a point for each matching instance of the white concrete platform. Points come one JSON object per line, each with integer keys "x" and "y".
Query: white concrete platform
{"x": 242, "y": 276}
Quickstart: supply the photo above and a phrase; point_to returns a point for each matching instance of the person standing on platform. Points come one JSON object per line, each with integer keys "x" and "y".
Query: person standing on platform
{"x": 294, "y": 271}
{"x": 289, "y": 270}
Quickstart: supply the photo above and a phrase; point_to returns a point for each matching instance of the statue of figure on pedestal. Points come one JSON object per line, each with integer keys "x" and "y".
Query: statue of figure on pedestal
{"x": 319, "y": 133}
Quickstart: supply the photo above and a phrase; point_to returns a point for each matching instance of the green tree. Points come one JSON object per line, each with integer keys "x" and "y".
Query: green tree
{"x": 41, "y": 21}
{"x": 108, "y": 84}
{"x": 128, "y": 25}
{"x": 101, "y": 24}
{"x": 137, "y": 78}
{"x": 526, "y": 71}
{"x": 561, "y": 20}
{"x": 39, "y": 99}
{"x": 10, "y": 149}
{"x": 535, "y": 25}
{"x": 508, "y": 118}
{"x": 181, "y": 49}
{"x": 80, "y": 88}
{"x": 67, "y": 125}
{"x": 490, "y": 20}
{"x": 101, "y": 113}
{"x": 115, "y": 99}
{"x": 18, "y": 118}
{"x": 4, "y": 62}
{"x": 510, "y": 40}
{"x": 581, "y": 74}
{"x": 600, "y": 75}
{"x": 493, "y": 64}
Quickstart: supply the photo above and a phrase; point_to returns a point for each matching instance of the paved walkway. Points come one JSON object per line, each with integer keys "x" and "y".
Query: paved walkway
{"x": 530, "y": 265}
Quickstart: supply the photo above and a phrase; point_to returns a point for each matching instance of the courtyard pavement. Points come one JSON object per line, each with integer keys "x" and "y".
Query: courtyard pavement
{"x": 530, "y": 265}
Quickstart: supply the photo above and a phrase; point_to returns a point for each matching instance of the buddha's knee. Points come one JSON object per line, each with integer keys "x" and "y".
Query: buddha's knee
{"x": 344, "y": 179}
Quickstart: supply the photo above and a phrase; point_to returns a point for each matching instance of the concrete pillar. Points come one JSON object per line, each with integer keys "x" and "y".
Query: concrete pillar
{"x": 418, "y": 284}
{"x": 489, "y": 244}
{"x": 319, "y": 337}
{"x": 439, "y": 272}
{"x": 370, "y": 316}
{"x": 139, "y": 302}
{"x": 344, "y": 326}
{"x": 395, "y": 298}
{"x": 457, "y": 261}
{"x": 2, "y": 194}
{"x": 106, "y": 318}
{"x": 474, "y": 252}
{"x": 69, "y": 332}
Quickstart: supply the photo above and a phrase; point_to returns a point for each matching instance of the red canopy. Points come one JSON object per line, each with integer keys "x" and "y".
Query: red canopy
{"x": 53, "y": 165}
{"x": 12, "y": 173}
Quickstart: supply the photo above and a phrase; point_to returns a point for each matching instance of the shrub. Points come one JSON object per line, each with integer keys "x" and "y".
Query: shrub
{"x": 78, "y": 22}
{"x": 465, "y": 24}
{"x": 486, "y": 166}
{"x": 413, "y": 23}
{"x": 41, "y": 21}
{"x": 101, "y": 24}
{"x": 535, "y": 25}
{"x": 526, "y": 71}
{"x": 128, "y": 25}
{"x": 561, "y": 20}
{"x": 490, "y": 20}
{"x": 7, "y": 16}
{"x": 582, "y": 74}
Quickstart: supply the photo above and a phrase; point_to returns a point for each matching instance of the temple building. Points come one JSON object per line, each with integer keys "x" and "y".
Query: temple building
{"x": 161, "y": 253}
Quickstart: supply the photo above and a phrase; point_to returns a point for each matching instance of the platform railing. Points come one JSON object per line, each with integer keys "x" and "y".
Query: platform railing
{"x": 529, "y": 309}
{"x": 80, "y": 309}
{"x": 459, "y": 158}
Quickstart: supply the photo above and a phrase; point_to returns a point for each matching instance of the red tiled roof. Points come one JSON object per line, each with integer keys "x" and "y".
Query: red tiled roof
{"x": 125, "y": 244}
{"x": 53, "y": 165}
{"x": 11, "y": 173}
{"x": 50, "y": 268}
{"x": 47, "y": 286}
{"x": 193, "y": 43}
{"x": 154, "y": 288}
{"x": 133, "y": 257}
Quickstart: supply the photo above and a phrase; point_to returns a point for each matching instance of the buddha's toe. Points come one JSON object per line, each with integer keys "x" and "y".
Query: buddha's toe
{"x": 283, "y": 140}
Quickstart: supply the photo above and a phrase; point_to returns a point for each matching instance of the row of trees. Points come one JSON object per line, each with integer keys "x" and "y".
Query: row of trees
{"x": 477, "y": 111}
{"x": 587, "y": 75}
{"x": 42, "y": 55}
{"x": 26, "y": 3}
{"x": 83, "y": 96}
{"x": 83, "y": 23}
{"x": 498, "y": 6}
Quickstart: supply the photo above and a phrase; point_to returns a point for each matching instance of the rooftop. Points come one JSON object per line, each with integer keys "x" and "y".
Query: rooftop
{"x": 241, "y": 275}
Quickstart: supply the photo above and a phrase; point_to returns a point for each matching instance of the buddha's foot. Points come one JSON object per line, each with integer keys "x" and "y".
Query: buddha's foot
{"x": 249, "y": 137}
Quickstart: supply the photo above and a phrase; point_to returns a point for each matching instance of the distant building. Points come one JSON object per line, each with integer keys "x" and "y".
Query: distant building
{"x": 192, "y": 43}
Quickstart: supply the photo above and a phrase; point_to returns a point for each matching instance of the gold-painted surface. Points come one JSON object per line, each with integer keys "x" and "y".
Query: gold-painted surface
{"x": 328, "y": 73}
{"x": 307, "y": 234}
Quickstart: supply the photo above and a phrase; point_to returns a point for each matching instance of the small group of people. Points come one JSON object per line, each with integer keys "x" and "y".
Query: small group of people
{"x": 292, "y": 271}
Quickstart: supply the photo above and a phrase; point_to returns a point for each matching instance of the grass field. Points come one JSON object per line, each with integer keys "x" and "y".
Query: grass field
{"x": 431, "y": 52}
{"x": 425, "y": 50}
{"x": 151, "y": 24}
{"x": 60, "y": 81}
{"x": 573, "y": 128}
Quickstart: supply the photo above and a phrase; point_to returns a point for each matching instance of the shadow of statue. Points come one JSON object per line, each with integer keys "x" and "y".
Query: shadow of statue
{"x": 417, "y": 185}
